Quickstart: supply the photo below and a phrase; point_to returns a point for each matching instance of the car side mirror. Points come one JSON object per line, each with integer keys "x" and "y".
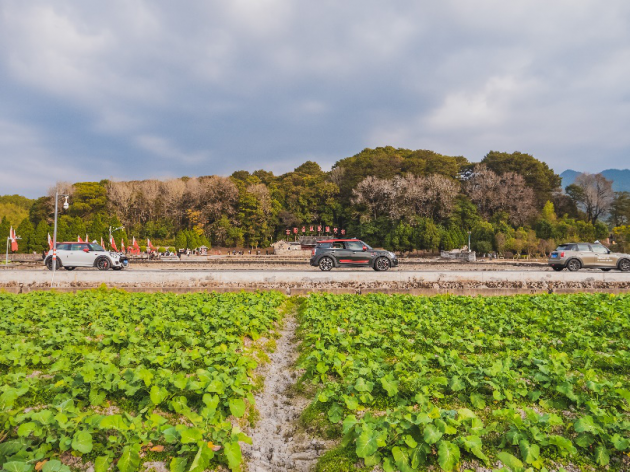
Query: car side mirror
{"x": 85, "y": 249}
{"x": 364, "y": 248}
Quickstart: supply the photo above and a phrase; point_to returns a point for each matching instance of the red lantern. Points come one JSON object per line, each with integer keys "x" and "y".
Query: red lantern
{"x": 311, "y": 230}
{"x": 303, "y": 229}
{"x": 335, "y": 230}
{"x": 295, "y": 230}
{"x": 288, "y": 232}
{"x": 343, "y": 231}
{"x": 328, "y": 229}
{"x": 319, "y": 229}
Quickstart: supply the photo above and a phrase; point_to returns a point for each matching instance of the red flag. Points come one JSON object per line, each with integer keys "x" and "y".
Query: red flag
{"x": 122, "y": 245}
{"x": 135, "y": 244}
{"x": 14, "y": 244}
{"x": 112, "y": 243}
{"x": 50, "y": 241}
{"x": 102, "y": 243}
{"x": 79, "y": 240}
{"x": 149, "y": 245}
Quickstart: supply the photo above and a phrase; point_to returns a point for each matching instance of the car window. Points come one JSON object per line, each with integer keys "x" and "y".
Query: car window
{"x": 566, "y": 247}
{"x": 96, "y": 247}
{"x": 599, "y": 249}
{"x": 76, "y": 247}
{"x": 63, "y": 247}
{"x": 583, "y": 247}
{"x": 354, "y": 245}
{"x": 324, "y": 245}
{"x": 337, "y": 245}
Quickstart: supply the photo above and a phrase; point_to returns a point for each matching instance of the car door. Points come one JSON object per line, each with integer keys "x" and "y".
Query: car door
{"x": 341, "y": 253}
{"x": 587, "y": 256}
{"x": 82, "y": 255}
{"x": 357, "y": 255}
{"x": 603, "y": 257}
{"x": 74, "y": 255}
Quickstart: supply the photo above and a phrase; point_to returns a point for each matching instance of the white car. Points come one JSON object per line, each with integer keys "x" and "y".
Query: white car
{"x": 73, "y": 255}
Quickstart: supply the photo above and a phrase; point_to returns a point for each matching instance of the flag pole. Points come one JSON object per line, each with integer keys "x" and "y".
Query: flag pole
{"x": 7, "y": 258}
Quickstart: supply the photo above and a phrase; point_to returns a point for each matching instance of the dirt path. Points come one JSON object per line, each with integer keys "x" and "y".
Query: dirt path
{"x": 278, "y": 443}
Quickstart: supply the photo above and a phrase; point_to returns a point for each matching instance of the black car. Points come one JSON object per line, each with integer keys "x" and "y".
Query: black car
{"x": 350, "y": 253}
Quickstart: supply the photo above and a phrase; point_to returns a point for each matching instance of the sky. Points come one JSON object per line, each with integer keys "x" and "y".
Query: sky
{"x": 131, "y": 89}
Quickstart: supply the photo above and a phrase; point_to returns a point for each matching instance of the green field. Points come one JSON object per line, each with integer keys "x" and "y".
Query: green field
{"x": 404, "y": 383}
{"x": 106, "y": 375}
{"x": 410, "y": 382}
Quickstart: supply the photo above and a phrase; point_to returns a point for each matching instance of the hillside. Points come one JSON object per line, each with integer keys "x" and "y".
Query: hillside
{"x": 620, "y": 178}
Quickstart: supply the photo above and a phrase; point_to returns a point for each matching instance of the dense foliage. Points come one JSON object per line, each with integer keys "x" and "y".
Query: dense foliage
{"x": 109, "y": 376}
{"x": 414, "y": 382}
{"x": 399, "y": 199}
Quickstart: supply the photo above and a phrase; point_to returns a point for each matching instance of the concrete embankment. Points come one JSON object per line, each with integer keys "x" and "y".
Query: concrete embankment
{"x": 339, "y": 281}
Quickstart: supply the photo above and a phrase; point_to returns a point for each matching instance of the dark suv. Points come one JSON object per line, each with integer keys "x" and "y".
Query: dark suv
{"x": 350, "y": 253}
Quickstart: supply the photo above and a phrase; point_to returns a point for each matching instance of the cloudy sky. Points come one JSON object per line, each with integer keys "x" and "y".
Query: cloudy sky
{"x": 133, "y": 89}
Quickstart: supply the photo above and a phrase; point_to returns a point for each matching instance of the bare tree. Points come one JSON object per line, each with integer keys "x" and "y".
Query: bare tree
{"x": 507, "y": 192}
{"x": 378, "y": 196}
{"x": 593, "y": 193}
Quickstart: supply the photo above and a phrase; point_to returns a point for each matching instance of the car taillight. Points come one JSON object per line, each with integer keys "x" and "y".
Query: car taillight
{"x": 313, "y": 252}
{"x": 562, "y": 254}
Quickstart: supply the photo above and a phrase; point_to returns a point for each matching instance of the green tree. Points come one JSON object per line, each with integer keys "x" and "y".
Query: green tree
{"x": 26, "y": 231}
{"x": 41, "y": 236}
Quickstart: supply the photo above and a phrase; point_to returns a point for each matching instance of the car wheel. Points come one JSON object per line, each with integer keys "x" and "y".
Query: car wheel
{"x": 557, "y": 268}
{"x": 574, "y": 265}
{"x": 49, "y": 264}
{"x": 624, "y": 265}
{"x": 382, "y": 264}
{"x": 102, "y": 263}
{"x": 69, "y": 268}
{"x": 326, "y": 263}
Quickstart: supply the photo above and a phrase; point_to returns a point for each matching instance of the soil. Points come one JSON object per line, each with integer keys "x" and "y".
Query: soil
{"x": 279, "y": 444}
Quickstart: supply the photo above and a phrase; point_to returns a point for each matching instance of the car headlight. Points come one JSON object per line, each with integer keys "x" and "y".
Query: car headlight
{"x": 392, "y": 255}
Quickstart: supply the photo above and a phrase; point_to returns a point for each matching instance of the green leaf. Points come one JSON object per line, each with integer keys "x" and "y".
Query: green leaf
{"x": 431, "y": 434}
{"x": 529, "y": 452}
{"x": 233, "y": 455}
{"x": 349, "y": 422}
{"x": 82, "y": 442}
{"x": 202, "y": 459}
{"x": 351, "y": 402}
{"x": 390, "y": 384}
{"x": 366, "y": 443}
{"x": 457, "y": 384}
{"x": 158, "y": 394}
{"x": 601, "y": 455}
{"x": 585, "y": 425}
{"x": 362, "y": 386}
{"x": 401, "y": 458}
{"x": 477, "y": 401}
{"x": 17, "y": 466}
{"x": 115, "y": 422}
{"x": 448, "y": 455}
{"x": 129, "y": 460}
{"x": 54, "y": 465}
{"x": 26, "y": 429}
{"x": 96, "y": 397}
{"x": 178, "y": 464}
{"x": 191, "y": 435}
{"x": 101, "y": 464}
{"x": 620, "y": 443}
{"x": 237, "y": 407}
{"x": 335, "y": 413}
{"x": 510, "y": 461}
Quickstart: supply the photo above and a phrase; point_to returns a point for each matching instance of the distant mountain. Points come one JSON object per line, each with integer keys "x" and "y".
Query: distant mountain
{"x": 620, "y": 178}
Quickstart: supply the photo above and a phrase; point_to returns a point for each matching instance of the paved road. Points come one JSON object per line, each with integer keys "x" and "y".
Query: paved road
{"x": 349, "y": 277}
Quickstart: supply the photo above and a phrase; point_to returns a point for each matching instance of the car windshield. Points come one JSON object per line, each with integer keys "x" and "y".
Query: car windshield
{"x": 96, "y": 247}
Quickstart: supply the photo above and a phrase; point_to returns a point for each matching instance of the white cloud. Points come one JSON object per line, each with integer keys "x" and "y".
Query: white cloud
{"x": 162, "y": 148}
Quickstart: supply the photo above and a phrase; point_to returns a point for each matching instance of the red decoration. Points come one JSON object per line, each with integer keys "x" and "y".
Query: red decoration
{"x": 319, "y": 229}
{"x": 288, "y": 232}
{"x": 335, "y": 230}
{"x": 328, "y": 229}
{"x": 303, "y": 229}
{"x": 295, "y": 230}
{"x": 343, "y": 231}
{"x": 311, "y": 230}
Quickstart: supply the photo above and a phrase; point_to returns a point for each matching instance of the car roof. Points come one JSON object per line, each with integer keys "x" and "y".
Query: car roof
{"x": 337, "y": 240}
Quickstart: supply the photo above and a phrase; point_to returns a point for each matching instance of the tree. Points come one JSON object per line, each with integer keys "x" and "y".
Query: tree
{"x": 493, "y": 193}
{"x": 593, "y": 193}
{"x": 41, "y": 236}
{"x": 536, "y": 174}
{"x": 620, "y": 209}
